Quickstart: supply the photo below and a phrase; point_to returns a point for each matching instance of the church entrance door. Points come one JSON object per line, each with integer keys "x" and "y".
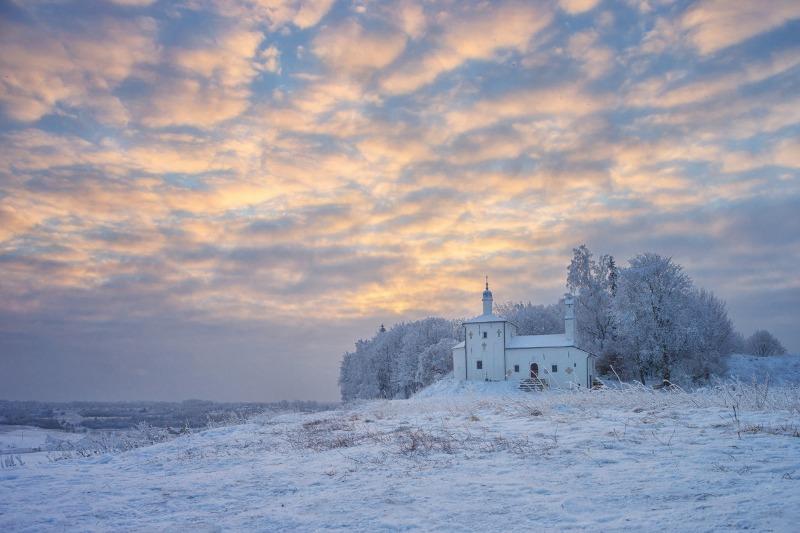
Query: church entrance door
{"x": 534, "y": 371}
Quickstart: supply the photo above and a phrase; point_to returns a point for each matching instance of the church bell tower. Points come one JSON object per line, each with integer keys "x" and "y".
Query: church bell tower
{"x": 487, "y": 299}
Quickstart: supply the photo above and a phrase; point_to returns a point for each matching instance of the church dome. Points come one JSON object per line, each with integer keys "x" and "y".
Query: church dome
{"x": 487, "y": 299}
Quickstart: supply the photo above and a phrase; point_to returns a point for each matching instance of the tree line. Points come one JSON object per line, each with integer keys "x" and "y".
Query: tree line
{"x": 649, "y": 321}
{"x": 397, "y": 362}
{"x": 646, "y": 321}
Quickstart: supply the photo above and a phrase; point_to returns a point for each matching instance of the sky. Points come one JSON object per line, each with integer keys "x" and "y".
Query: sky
{"x": 215, "y": 199}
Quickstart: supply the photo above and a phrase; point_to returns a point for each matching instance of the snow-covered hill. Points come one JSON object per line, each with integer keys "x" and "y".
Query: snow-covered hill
{"x": 490, "y": 459}
{"x": 775, "y": 368}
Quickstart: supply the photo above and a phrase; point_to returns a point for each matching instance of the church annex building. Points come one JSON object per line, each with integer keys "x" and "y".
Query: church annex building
{"x": 493, "y": 351}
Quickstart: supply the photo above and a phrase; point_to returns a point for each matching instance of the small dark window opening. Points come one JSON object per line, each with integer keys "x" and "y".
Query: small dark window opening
{"x": 516, "y": 368}
{"x": 555, "y": 368}
{"x": 480, "y": 365}
{"x": 485, "y": 334}
{"x": 575, "y": 365}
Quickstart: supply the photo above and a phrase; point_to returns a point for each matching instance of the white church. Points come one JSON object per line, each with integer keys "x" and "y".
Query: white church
{"x": 493, "y": 351}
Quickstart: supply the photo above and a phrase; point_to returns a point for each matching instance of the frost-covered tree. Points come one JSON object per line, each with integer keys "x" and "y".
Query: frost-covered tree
{"x": 659, "y": 323}
{"x": 594, "y": 285}
{"x": 533, "y": 319}
{"x": 416, "y": 339}
{"x": 579, "y": 270}
{"x": 358, "y": 374}
{"x": 435, "y": 362}
{"x": 397, "y": 362}
{"x": 710, "y": 336}
{"x": 762, "y": 342}
{"x": 651, "y": 310}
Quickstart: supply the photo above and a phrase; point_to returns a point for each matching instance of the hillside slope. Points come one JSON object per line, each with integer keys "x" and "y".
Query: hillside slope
{"x": 493, "y": 460}
{"x": 777, "y": 368}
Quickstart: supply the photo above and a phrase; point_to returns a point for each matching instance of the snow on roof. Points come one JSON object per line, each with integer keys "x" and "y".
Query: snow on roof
{"x": 485, "y": 318}
{"x": 539, "y": 341}
{"x": 558, "y": 340}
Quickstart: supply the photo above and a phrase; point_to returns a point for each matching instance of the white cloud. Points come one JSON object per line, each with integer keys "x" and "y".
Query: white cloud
{"x": 574, "y": 7}
{"x": 567, "y": 100}
{"x": 136, "y": 3}
{"x": 411, "y": 17}
{"x": 276, "y": 13}
{"x": 717, "y": 24}
{"x": 44, "y": 66}
{"x": 478, "y": 33}
{"x": 226, "y": 57}
{"x": 352, "y": 49}
{"x": 269, "y": 59}
{"x": 595, "y": 58}
{"x": 665, "y": 92}
{"x": 310, "y": 12}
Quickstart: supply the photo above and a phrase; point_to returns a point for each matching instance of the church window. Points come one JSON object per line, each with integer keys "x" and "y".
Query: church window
{"x": 516, "y": 368}
{"x": 485, "y": 334}
{"x": 499, "y": 333}
{"x": 555, "y": 368}
{"x": 470, "y": 334}
{"x": 480, "y": 365}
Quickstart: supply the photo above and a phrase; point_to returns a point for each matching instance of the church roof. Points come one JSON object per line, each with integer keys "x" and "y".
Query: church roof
{"x": 485, "y": 318}
{"x": 558, "y": 340}
{"x": 540, "y": 341}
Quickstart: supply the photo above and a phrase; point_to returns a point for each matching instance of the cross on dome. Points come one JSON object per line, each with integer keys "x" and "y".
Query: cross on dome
{"x": 487, "y": 299}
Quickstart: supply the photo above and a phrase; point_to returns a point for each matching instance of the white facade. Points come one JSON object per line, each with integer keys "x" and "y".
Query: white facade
{"x": 492, "y": 351}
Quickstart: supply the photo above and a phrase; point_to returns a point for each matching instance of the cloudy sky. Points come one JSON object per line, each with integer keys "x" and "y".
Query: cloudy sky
{"x": 216, "y": 198}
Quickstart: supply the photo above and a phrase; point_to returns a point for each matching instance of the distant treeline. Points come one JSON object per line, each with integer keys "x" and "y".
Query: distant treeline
{"x": 80, "y": 416}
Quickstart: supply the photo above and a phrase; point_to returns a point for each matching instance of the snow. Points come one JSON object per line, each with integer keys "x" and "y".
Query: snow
{"x": 486, "y": 317}
{"x": 779, "y": 368}
{"x": 477, "y": 456}
{"x": 449, "y": 387}
{"x": 31, "y": 445}
{"x": 24, "y": 439}
{"x": 540, "y": 341}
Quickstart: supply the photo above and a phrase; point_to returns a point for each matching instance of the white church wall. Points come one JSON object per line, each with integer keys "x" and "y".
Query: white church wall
{"x": 511, "y": 331}
{"x": 489, "y": 350}
{"x": 571, "y": 365}
{"x": 458, "y": 363}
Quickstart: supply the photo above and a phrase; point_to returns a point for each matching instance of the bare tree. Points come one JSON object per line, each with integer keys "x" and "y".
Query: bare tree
{"x": 762, "y": 342}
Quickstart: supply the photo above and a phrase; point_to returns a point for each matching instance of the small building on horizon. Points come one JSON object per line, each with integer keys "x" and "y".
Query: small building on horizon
{"x": 492, "y": 351}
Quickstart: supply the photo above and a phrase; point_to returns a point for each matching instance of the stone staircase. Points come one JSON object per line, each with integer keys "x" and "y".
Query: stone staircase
{"x": 530, "y": 385}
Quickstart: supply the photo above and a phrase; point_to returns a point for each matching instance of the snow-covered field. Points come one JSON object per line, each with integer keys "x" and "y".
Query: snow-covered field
{"x": 456, "y": 457}
{"x": 24, "y": 445}
{"x": 776, "y": 369}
